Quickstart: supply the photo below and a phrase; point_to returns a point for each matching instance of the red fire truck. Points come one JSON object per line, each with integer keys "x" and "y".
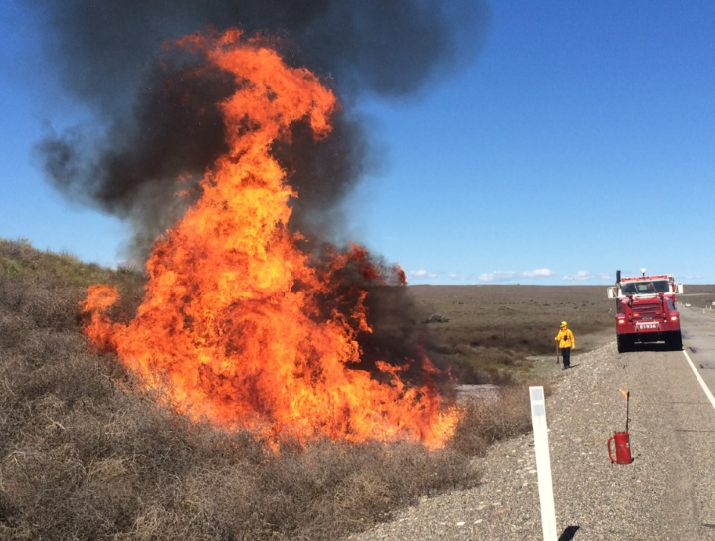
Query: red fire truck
{"x": 646, "y": 310}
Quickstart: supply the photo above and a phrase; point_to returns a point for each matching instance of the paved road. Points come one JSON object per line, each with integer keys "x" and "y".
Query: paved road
{"x": 668, "y": 493}
{"x": 670, "y": 488}
{"x": 693, "y": 415}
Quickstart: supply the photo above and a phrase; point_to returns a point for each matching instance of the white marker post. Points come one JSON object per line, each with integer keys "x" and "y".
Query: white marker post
{"x": 543, "y": 463}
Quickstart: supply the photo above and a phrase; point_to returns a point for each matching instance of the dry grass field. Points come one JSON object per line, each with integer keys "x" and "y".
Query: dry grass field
{"x": 85, "y": 456}
{"x": 492, "y": 330}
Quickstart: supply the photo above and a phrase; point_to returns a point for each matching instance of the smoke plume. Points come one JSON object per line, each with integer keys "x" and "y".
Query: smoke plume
{"x": 157, "y": 123}
{"x": 158, "y": 127}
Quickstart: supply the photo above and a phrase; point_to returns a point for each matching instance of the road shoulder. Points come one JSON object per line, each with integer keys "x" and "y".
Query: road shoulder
{"x": 652, "y": 498}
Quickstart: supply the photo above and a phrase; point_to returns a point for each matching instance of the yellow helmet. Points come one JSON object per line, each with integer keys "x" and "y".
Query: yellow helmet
{"x": 563, "y": 324}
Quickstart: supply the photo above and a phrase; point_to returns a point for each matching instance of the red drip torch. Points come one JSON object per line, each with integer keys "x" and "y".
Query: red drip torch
{"x": 622, "y": 440}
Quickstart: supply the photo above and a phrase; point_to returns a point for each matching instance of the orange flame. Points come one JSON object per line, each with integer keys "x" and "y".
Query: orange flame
{"x": 625, "y": 394}
{"x": 231, "y": 326}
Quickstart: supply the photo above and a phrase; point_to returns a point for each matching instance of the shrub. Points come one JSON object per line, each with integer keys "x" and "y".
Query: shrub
{"x": 488, "y": 421}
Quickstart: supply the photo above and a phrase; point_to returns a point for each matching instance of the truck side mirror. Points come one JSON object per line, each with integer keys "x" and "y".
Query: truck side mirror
{"x": 680, "y": 288}
{"x": 612, "y": 292}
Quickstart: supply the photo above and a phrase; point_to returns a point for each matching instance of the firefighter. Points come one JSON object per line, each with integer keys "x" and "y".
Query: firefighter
{"x": 566, "y": 343}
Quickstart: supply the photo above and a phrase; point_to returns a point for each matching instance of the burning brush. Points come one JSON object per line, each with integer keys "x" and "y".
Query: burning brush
{"x": 238, "y": 324}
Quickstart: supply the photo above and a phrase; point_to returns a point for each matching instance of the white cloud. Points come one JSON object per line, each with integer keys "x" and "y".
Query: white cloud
{"x": 498, "y": 276}
{"x": 538, "y": 273}
{"x": 459, "y": 277}
{"x": 505, "y": 276}
{"x": 422, "y": 274}
{"x": 580, "y": 276}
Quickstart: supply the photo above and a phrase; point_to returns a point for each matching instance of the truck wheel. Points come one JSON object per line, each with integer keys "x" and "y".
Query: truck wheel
{"x": 623, "y": 343}
{"x": 675, "y": 340}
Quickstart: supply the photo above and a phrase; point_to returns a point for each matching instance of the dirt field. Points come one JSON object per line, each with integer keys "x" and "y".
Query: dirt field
{"x": 700, "y": 296}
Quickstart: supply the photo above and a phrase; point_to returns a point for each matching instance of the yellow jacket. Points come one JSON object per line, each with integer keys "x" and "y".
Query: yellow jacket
{"x": 565, "y": 339}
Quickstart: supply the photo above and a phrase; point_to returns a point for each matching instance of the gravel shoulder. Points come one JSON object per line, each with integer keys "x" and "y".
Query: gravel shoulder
{"x": 665, "y": 494}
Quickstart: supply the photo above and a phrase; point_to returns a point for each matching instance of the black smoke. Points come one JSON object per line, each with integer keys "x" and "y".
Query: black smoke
{"x": 154, "y": 124}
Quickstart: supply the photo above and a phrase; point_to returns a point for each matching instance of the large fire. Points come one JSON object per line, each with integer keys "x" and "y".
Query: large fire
{"x": 234, "y": 326}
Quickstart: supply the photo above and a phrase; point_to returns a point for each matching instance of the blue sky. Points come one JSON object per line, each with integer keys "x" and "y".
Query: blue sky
{"x": 580, "y": 141}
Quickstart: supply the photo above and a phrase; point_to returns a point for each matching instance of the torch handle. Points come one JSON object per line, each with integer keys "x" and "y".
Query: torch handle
{"x": 609, "y": 448}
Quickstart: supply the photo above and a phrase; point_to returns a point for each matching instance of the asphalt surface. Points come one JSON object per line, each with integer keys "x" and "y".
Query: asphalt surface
{"x": 695, "y": 422}
{"x": 666, "y": 493}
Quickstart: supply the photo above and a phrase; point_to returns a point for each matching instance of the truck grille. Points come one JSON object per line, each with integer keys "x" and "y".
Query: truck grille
{"x": 644, "y": 311}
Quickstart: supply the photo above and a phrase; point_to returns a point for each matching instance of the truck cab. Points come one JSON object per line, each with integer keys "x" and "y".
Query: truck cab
{"x": 646, "y": 310}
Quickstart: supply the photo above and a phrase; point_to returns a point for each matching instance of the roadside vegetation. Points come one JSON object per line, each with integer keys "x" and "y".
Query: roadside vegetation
{"x": 84, "y": 456}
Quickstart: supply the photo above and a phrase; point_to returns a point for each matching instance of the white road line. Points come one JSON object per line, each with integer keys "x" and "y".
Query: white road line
{"x": 700, "y": 380}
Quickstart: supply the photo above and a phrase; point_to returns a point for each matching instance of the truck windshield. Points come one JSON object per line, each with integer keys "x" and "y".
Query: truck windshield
{"x": 646, "y": 287}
